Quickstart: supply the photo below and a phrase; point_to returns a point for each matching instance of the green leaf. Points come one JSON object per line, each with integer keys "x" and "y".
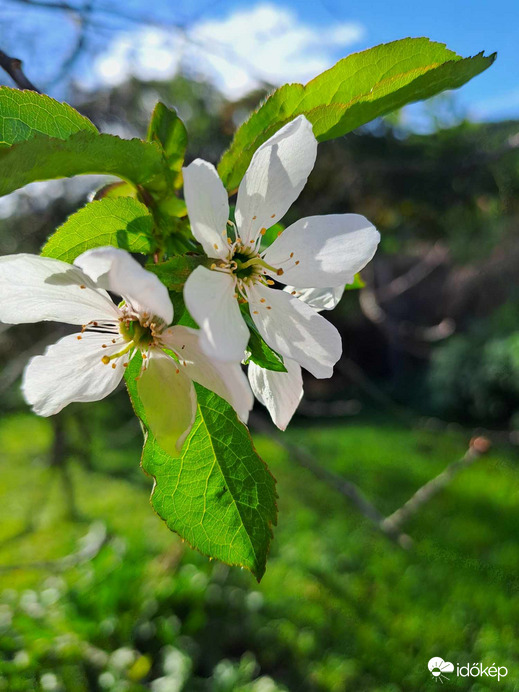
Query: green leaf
{"x": 356, "y": 90}
{"x": 357, "y": 283}
{"x": 24, "y": 114}
{"x": 218, "y": 495}
{"x": 263, "y": 355}
{"x": 181, "y": 313}
{"x": 174, "y": 272}
{"x": 122, "y": 222}
{"x": 45, "y": 158}
{"x": 118, "y": 189}
{"x": 168, "y": 130}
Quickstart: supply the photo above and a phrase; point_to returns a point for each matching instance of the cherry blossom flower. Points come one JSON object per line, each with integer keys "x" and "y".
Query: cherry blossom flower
{"x": 87, "y": 366}
{"x": 315, "y": 252}
{"x": 281, "y": 392}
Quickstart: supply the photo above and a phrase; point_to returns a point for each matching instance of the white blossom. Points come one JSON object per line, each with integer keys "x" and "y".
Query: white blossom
{"x": 281, "y": 392}
{"x": 315, "y": 252}
{"x": 88, "y": 365}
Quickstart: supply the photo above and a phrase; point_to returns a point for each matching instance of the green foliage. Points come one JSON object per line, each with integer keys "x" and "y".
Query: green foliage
{"x": 356, "y": 90}
{"x": 219, "y": 495}
{"x": 45, "y": 158}
{"x": 262, "y": 354}
{"x": 476, "y": 376}
{"x": 122, "y": 222}
{"x": 147, "y": 613}
{"x": 24, "y": 114}
{"x": 174, "y": 271}
{"x": 357, "y": 283}
{"x": 168, "y": 130}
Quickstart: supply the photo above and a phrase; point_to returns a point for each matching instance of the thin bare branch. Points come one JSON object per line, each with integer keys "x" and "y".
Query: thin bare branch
{"x": 90, "y": 546}
{"x": 346, "y": 488}
{"x": 477, "y": 448}
{"x": 13, "y": 67}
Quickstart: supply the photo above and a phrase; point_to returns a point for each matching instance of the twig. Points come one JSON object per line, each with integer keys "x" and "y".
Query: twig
{"x": 346, "y": 488}
{"x": 13, "y": 67}
{"x": 477, "y": 448}
{"x": 90, "y": 546}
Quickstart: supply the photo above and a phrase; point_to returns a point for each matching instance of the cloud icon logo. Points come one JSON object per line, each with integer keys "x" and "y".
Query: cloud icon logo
{"x": 438, "y": 667}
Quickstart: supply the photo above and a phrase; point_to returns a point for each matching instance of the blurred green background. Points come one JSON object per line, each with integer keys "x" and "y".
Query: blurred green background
{"x": 95, "y": 592}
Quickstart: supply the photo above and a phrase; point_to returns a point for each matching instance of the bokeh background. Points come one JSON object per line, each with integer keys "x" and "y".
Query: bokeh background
{"x": 95, "y": 592}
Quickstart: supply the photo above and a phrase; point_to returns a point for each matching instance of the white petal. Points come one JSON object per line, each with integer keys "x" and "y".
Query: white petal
{"x": 207, "y": 206}
{"x": 72, "y": 370}
{"x": 225, "y": 379}
{"x": 35, "y": 289}
{"x": 280, "y": 392}
{"x": 295, "y": 330}
{"x": 318, "y": 298}
{"x": 329, "y": 250}
{"x": 169, "y": 401}
{"x": 276, "y": 175}
{"x": 209, "y": 297}
{"x": 117, "y": 271}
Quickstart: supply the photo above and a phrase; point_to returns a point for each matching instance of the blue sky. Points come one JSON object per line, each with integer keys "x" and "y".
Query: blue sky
{"x": 236, "y": 43}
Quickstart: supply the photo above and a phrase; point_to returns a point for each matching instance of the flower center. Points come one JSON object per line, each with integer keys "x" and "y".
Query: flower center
{"x": 140, "y": 335}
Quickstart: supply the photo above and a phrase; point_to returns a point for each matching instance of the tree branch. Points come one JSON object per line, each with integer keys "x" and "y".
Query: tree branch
{"x": 346, "y": 488}
{"x": 13, "y": 67}
{"x": 477, "y": 448}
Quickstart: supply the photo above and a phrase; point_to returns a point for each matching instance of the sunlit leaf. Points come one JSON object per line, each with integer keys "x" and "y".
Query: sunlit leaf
{"x": 24, "y": 114}
{"x": 45, "y": 158}
{"x": 168, "y": 130}
{"x": 122, "y": 222}
{"x": 218, "y": 495}
{"x": 356, "y": 90}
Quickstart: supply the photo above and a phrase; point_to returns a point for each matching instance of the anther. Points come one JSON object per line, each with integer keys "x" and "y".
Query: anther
{"x": 263, "y": 231}
{"x": 104, "y": 346}
{"x": 297, "y": 262}
{"x": 82, "y": 286}
{"x": 114, "y": 341}
{"x": 229, "y": 241}
{"x": 213, "y": 266}
{"x": 79, "y": 337}
{"x": 262, "y": 300}
{"x": 273, "y": 215}
{"x": 291, "y": 255}
{"x": 105, "y": 360}
{"x": 294, "y": 293}
{"x": 177, "y": 371}
{"x": 255, "y": 312}
{"x": 254, "y": 218}
{"x": 280, "y": 272}
{"x": 114, "y": 366}
{"x": 268, "y": 307}
{"x": 215, "y": 246}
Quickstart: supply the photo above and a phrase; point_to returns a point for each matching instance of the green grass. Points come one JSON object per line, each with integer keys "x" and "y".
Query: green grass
{"x": 340, "y": 607}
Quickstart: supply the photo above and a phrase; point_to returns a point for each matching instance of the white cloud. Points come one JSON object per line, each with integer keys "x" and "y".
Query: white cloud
{"x": 264, "y": 43}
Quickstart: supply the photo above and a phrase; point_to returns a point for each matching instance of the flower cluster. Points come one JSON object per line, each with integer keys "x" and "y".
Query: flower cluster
{"x": 280, "y": 290}
{"x": 314, "y": 258}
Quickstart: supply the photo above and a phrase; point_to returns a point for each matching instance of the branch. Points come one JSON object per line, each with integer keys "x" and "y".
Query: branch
{"x": 477, "y": 448}
{"x": 13, "y": 67}
{"x": 90, "y": 546}
{"x": 346, "y": 488}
